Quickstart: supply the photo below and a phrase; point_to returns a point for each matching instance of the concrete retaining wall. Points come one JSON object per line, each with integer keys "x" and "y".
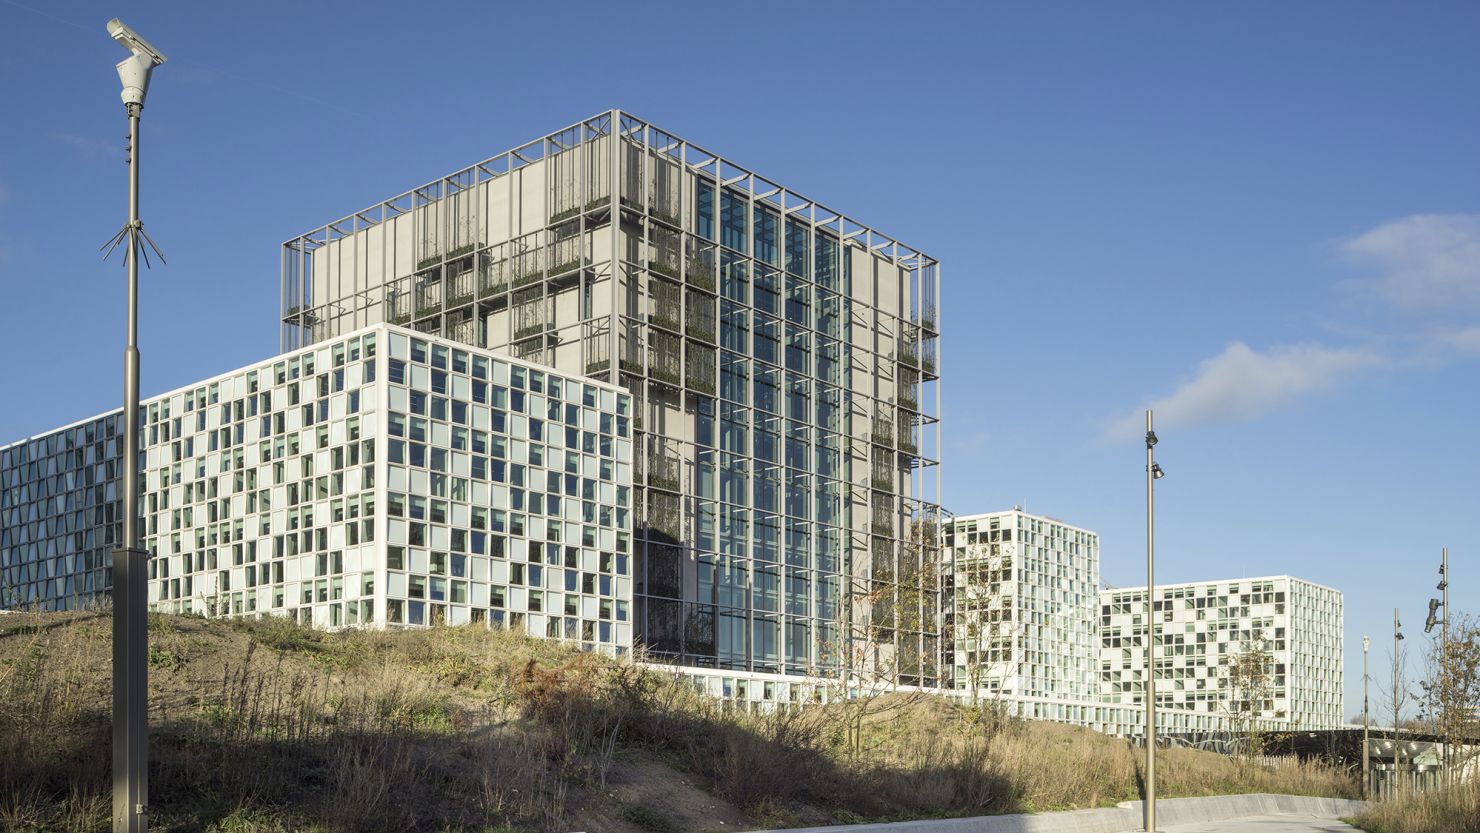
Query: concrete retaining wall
{"x": 1122, "y": 818}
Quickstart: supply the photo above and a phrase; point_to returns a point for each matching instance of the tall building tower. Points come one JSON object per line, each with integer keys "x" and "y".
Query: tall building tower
{"x": 1022, "y": 614}
{"x": 781, "y": 356}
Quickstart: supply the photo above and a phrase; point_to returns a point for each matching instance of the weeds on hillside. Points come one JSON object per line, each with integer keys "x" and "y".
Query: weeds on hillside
{"x": 1447, "y": 810}
{"x": 267, "y": 726}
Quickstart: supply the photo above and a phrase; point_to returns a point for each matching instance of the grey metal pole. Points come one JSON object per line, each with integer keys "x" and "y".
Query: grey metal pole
{"x": 130, "y": 561}
{"x": 1149, "y": 806}
{"x": 1444, "y": 666}
{"x": 1397, "y": 707}
{"x": 1366, "y": 723}
{"x": 130, "y": 637}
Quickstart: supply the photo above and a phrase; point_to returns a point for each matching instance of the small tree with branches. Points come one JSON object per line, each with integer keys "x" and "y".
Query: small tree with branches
{"x": 1453, "y": 688}
{"x": 1249, "y": 691}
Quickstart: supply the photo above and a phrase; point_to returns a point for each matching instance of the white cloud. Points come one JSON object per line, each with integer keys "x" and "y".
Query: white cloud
{"x": 1465, "y": 341}
{"x": 1242, "y": 383}
{"x": 1424, "y": 262}
{"x": 89, "y": 148}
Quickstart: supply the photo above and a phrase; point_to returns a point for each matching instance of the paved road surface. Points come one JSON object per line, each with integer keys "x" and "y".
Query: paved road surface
{"x": 1264, "y": 824}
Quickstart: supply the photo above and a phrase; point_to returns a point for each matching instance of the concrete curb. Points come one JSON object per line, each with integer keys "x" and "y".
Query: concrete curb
{"x": 1123, "y": 818}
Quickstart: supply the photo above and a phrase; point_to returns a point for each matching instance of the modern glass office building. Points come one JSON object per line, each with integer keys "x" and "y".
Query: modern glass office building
{"x": 1023, "y": 605}
{"x": 381, "y": 477}
{"x": 781, "y": 357}
{"x": 1206, "y": 625}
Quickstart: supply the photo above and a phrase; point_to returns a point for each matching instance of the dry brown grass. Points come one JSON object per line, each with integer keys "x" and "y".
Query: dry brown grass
{"x": 265, "y": 726}
{"x": 1453, "y": 810}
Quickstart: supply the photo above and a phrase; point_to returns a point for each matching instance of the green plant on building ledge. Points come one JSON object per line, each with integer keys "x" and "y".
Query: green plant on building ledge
{"x": 428, "y": 310}
{"x": 666, "y": 522}
{"x": 566, "y": 214}
{"x": 701, "y": 279}
{"x": 702, "y": 385}
{"x": 664, "y": 321}
{"x": 663, "y": 374}
{"x": 562, "y": 268}
{"x": 667, "y": 270}
{"x": 529, "y": 331}
{"x": 927, "y": 319}
{"x": 460, "y": 300}
{"x": 526, "y": 280}
{"x": 659, "y": 481}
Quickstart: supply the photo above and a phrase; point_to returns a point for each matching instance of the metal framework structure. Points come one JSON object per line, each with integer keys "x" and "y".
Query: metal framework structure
{"x": 742, "y": 316}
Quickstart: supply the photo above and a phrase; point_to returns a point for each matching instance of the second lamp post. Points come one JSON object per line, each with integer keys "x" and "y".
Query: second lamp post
{"x": 1153, "y": 473}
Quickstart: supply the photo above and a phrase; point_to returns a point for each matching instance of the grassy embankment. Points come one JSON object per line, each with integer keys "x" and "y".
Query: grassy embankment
{"x": 265, "y": 726}
{"x": 1452, "y": 810}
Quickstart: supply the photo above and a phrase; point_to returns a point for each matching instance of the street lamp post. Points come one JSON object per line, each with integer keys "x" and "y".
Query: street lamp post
{"x": 1397, "y": 706}
{"x": 1153, "y": 473}
{"x": 1442, "y": 711}
{"x": 130, "y": 560}
{"x": 1366, "y": 720}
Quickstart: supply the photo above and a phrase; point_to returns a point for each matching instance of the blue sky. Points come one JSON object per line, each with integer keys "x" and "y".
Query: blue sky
{"x": 1262, "y": 218}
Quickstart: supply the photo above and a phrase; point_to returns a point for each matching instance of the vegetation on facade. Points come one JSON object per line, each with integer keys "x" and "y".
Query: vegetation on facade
{"x": 267, "y": 726}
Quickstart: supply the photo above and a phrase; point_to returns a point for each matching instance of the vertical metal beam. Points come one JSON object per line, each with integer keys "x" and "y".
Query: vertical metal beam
{"x": 1149, "y": 805}
{"x": 130, "y": 562}
{"x": 282, "y": 293}
{"x": 614, "y": 194}
{"x": 1444, "y": 669}
{"x": 941, "y": 456}
{"x": 1397, "y": 706}
{"x": 1366, "y": 725}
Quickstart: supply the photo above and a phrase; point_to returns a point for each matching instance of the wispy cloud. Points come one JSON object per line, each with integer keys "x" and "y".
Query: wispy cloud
{"x": 1242, "y": 383}
{"x": 90, "y": 148}
{"x": 1418, "y": 265}
{"x": 1422, "y": 262}
{"x": 1465, "y": 340}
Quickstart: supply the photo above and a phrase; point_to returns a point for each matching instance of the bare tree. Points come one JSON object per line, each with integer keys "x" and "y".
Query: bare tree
{"x": 1453, "y": 687}
{"x": 1249, "y": 694}
{"x": 1397, "y": 699}
{"x": 985, "y": 627}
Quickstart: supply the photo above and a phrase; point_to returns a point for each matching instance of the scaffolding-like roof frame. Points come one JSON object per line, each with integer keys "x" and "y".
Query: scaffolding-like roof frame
{"x": 694, "y": 158}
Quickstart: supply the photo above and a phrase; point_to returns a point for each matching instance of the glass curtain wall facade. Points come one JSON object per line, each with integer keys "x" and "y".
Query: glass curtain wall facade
{"x": 782, "y": 360}
{"x": 378, "y": 478}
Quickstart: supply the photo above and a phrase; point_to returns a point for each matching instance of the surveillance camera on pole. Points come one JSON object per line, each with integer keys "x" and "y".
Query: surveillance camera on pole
{"x": 134, "y": 70}
{"x": 130, "y": 559}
